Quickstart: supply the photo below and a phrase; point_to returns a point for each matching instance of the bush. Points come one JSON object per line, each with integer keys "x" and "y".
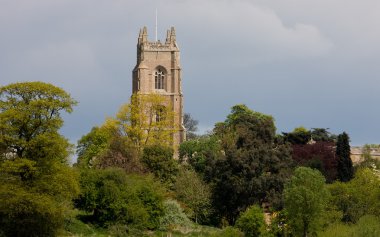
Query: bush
{"x": 229, "y": 232}
{"x": 367, "y": 226}
{"x": 251, "y": 222}
{"x": 34, "y": 201}
{"x": 115, "y": 197}
{"x": 174, "y": 216}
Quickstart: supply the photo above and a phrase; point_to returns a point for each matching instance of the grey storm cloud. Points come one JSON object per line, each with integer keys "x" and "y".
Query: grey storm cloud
{"x": 308, "y": 63}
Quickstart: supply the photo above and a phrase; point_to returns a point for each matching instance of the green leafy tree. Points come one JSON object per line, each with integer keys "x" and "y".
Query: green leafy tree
{"x": 36, "y": 184}
{"x": 30, "y": 120}
{"x": 305, "y": 200}
{"x": 251, "y": 221}
{"x": 191, "y": 190}
{"x": 201, "y": 152}
{"x": 343, "y": 152}
{"x": 146, "y": 120}
{"x": 252, "y": 168}
{"x": 322, "y": 135}
{"x": 300, "y": 136}
{"x": 159, "y": 160}
{"x": 92, "y": 145}
{"x": 358, "y": 197}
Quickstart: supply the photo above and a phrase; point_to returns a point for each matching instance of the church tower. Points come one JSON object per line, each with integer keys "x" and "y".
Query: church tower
{"x": 158, "y": 71}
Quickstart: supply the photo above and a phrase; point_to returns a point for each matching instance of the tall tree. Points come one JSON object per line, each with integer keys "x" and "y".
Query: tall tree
{"x": 36, "y": 184}
{"x": 305, "y": 200}
{"x": 345, "y": 167}
{"x": 252, "y": 167}
{"x": 30, "y": 120}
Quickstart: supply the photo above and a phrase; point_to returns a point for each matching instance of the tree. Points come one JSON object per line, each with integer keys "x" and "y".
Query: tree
{"x": 251, "y": 221}
{"x": 319, "y": 155}
{"x": 191, "y": 190}
{"x": 36, "y": 184}
{"x": 358, "y": 197}
{"x": 159, "y": 160}
{"x": 345, "y": 168}
{"x": 305, "y": 200}
{"x": 30, "y": 120}
{"x": 92, "y": 145}
{"x": 200, "y": 153}
{"x": 146, "y": 120}
{"x": 300, "y": 136}
{"x": 252, "y": 167}
{"x": 322, "y": 135}
{"x": 191, "y": 126}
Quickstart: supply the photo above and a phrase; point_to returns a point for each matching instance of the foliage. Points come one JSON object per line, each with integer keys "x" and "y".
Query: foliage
{"x": 174, "y": 216}
{"x": 229, "y": 232}
{"x": 104, "y": 147}
{"x": 191, "y": 126}
{"x": 345, "y": 168}
{"x": 30, "y": 119}
{"x": 139, "y": 122}
{"x": 121, "y": 154}
{"x": 299, "y": 136}
{"x": 322, "y": 135}
{"x": 251, "y": 221}
{"x": 358, "y": 197}
{"x": 159, "y": 160}
{"x": 367, "y": 160}
{"x": 36, "y": 185}
{"x": 201, "y": 152}
{"x": 191, "y": 190}
{"x": 115, "y": 197}
{"x": 253, "y": 168}
{"x": 367, "y": 226}
{"x": 34, "y": 200}
{"x": 92, "y": 145}
{"x": 318, "y": 155}
{"x": 305, "y": 199}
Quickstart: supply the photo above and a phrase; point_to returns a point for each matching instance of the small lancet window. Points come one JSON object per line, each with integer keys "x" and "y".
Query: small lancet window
{"x": 159, "y": 79}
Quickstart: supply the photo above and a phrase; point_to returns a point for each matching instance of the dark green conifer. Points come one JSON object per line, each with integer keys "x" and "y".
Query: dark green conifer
{"x": 345, "y": 168}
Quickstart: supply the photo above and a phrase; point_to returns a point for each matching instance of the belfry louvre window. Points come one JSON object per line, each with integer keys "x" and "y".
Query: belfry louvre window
{"x": 159, "y": 79}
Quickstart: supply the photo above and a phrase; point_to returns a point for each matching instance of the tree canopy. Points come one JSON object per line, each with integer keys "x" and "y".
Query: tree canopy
{"x": 252, "y": 167}
{"x": 36, "y": 184}
{"x": 305, "y": 200}
{"x": 30, "y": 119}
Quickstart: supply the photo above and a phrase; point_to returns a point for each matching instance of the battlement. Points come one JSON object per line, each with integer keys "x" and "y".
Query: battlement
{"x": 146, "y": 45}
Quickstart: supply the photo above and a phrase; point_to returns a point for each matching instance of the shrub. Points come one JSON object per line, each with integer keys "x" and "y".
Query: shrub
{"x": 173, "y": 216}
{"x": 251, "y": 222}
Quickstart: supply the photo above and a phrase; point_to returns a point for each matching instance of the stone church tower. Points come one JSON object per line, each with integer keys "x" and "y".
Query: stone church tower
{"x": 158, "y": 71}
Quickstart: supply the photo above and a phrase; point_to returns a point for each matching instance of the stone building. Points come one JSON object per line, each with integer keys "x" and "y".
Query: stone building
{"x": 158, "y": 71}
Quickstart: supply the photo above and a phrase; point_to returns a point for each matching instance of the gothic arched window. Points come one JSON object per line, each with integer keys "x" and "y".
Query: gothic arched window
{"x": 159, "y": 79}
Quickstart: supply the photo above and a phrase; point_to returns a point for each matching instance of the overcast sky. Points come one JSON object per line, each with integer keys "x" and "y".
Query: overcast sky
{"x": 312, "y": 63}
